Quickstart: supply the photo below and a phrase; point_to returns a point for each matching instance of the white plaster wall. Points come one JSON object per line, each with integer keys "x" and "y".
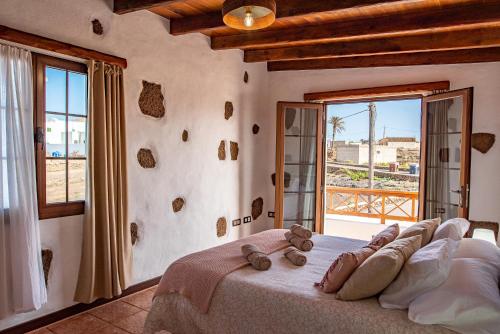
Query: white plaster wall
{"x": 485, "y": 78}
{"x": 196, "y": 83}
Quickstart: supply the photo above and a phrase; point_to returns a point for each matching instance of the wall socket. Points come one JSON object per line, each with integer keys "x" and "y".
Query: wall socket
{"x": 270, "y": 214}
{"x": 236, "y": 222}
{"x": 247, "y": 219}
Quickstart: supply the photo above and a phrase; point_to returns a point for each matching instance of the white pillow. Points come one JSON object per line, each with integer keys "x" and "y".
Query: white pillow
{"x": 426, "y": 269}
{"x": 478, "y": 249}
{"x": 467, "y": 302}
{"x": 453, "y": 228}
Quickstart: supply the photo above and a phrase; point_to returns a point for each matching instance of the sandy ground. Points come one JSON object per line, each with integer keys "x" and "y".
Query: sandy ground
{"x": 56, "y": 180}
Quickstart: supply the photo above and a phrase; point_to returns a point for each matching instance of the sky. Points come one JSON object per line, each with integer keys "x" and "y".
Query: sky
{"x": 401, "y": 118}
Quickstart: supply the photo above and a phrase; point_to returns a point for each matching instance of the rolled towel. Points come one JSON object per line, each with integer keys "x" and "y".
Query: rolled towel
{"x": 301, "y": 231}
{"x": 295, "y": 256}
{"x": 257, "y": 259}
{"x": 301, "y": 243}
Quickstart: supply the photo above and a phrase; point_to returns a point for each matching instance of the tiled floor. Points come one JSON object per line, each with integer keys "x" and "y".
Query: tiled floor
{"x": 126, "y": 315}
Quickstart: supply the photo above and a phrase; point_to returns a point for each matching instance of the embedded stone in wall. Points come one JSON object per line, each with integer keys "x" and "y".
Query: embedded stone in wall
{"x": 185, "y": 136}
{"x": 97, "y": 27}
{"x": 287, "y": 179}
{"x": 177, "y": 204}
{"x": 234, "y": 150}
{"x": 151, "y": 100}
{"x": 47, "y": 256}
{"x": 257, "y": 208}
{"x": 222, "y": 150}
{"x": 255, "y": 129}
{"x": 483, "y": 142}
{"x": 228, "y": 110}
{"x": 146, "y": 158}
{"x": 245, "y": 77}
{"x": 289, "y": 117}
{"x": 134, "y": 233}
{"x": 221, "y": 227}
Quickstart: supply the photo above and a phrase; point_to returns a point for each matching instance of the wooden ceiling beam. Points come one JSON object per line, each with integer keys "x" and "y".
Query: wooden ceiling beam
{"x": 44, "y": 43}
{"x": 402, "y": 59}
{"x": 284, "y": 9}
{"x": 128, "y": 6}
{"x": 451, "y": 16}
{"x": 444, "y": 40}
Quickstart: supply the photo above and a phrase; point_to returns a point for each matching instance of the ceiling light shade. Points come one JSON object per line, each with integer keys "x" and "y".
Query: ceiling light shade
{"x": 249, "y": 14}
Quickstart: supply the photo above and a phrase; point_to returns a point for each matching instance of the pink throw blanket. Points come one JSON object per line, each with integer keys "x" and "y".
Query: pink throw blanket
{"x": 197, "y": 275}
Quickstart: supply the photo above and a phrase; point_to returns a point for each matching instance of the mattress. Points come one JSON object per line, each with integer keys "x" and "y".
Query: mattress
{"x": 282, "y": 300}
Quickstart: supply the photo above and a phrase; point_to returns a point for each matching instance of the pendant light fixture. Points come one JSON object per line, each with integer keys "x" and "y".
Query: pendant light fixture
{"x": 249, "y": 14}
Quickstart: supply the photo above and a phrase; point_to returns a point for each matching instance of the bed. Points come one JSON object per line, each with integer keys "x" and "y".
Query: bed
{"x": 282, "y": 300}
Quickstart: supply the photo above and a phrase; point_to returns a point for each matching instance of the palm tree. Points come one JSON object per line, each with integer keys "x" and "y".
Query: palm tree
{"x": 337, "y": 126}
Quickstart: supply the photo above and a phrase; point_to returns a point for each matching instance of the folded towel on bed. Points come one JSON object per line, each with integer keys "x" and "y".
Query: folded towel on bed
{"x": 257, "y": 259}
{"x": 197, "y": 275}
{"x": 295, "y": 256}
{"x": 301, "y": 243}
{"x": 301, "y": 231}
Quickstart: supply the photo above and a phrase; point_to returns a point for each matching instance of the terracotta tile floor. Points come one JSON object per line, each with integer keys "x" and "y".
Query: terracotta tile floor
{"x": 123, "y": 316}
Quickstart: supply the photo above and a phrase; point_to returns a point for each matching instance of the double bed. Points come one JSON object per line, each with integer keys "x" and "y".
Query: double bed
{"x": 282, "y": 300}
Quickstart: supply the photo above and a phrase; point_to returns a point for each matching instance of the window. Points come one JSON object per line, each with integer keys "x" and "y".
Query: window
{"x": 60, "y": 135}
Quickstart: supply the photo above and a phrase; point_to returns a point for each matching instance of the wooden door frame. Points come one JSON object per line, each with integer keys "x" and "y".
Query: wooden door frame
{"x": 467, "y": 95}
{"x": 280, "y": 162}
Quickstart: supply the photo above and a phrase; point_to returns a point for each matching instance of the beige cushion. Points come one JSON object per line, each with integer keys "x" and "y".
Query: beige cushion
{"x": 379, "y": 270}
{"x": 386, "y": 236}
{"x": 425, "y": 228}
{"x": 342, "y": 268}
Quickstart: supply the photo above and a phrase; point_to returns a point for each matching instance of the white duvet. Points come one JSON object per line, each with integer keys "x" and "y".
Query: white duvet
{"x": 282, "y": 300}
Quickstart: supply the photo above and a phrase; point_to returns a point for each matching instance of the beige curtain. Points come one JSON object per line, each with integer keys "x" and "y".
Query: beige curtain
{"x": 105, "y": 267}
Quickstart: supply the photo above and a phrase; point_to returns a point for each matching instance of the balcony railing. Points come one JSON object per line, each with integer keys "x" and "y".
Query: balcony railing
{"x": 373, "y": 203}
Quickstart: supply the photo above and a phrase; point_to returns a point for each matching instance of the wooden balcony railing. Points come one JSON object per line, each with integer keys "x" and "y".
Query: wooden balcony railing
{"x": 373, "y": 203}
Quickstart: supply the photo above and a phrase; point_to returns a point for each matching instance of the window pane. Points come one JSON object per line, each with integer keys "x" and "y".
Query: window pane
{"x": 77, "y": 94}
{"x": 76, "y": 179}
{"x": 77, "y": 128}
{"x": 55, "y": 134}
{"x": 55, "y": 90}
{"x": 56, "y": 181}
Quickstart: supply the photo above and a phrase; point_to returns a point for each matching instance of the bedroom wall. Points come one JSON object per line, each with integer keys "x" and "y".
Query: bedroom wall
{"x": 196, "y": 83}
{"x": 485, "y": 78}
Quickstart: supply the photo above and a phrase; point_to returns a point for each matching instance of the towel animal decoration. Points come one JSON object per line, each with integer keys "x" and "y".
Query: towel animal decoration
{"x": 295, "y": 256}
{"x": 257, "y": 259}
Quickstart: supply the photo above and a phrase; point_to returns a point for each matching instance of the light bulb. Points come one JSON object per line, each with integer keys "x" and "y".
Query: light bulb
{"x": 249, "y": 19}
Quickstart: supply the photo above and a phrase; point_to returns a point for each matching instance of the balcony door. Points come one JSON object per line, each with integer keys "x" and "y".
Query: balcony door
{"x": 446, "y": 150}
{"x": 299, "y": 165}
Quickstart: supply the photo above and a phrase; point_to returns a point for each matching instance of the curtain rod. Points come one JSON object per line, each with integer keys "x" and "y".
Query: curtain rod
{"x": 40, "y": 42}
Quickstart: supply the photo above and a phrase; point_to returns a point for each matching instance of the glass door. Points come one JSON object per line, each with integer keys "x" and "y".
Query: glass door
{"x": 447, "y": 120}
{"x": 299, "y": 166}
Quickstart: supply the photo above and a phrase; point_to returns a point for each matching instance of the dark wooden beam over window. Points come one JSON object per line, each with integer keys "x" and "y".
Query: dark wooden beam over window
{"x": 402, "y": 59}
{"x": 44, "y": 43}
{"x": 284, "y": 9}
{"x": 485, "y": 12}
{"x": 377, "y": 92}
{"x": 128, "y": 6}
{"x": 445, "y": 40}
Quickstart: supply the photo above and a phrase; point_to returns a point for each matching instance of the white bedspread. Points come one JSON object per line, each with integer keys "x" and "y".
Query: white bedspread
{"x": 282, "y": 300}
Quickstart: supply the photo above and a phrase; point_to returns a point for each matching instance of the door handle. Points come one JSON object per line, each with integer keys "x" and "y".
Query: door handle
{"x": 463, "y": 197}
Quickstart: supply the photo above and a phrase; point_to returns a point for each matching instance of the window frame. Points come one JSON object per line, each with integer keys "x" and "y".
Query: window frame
{"x": 45, "y": 210}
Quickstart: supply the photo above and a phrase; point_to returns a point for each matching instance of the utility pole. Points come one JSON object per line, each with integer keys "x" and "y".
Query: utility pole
{"x": 371, "y": 142}
{"x": 371, "y": 149}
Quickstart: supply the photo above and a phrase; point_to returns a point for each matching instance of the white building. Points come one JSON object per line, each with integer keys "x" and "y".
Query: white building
{"x": 359, "y": 153}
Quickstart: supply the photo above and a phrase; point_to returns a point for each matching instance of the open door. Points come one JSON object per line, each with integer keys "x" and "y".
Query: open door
{"x": 445, "y": 157}
{"x": 299, "y": 165}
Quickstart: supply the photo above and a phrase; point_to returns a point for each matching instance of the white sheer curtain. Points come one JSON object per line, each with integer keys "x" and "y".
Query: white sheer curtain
{"x": 22, "y": 286}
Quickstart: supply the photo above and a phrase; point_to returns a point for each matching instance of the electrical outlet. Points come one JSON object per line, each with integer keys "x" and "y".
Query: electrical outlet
{"x": 270, "y": 214}
{"x": 236, "y": 222}
{"x": 247, "y": 220}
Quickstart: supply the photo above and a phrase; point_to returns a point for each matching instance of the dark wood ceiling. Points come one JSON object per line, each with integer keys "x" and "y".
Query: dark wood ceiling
{"x": 320, "y": 34}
